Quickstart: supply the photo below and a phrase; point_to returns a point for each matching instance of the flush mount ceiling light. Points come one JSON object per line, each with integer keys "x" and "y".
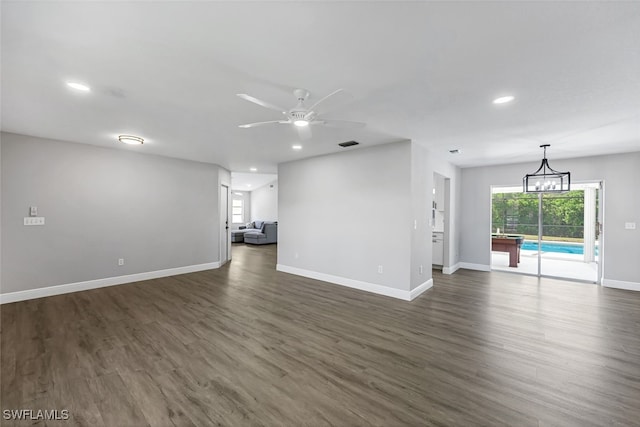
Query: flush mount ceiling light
{"x": 79, "y": 86}
{"x": 297, "y": 147}
{"x": 504, "y": 99}
{"x": 131, "y": 140}
{"x": 545, "y": 179}
{"x": 253, "y": 169}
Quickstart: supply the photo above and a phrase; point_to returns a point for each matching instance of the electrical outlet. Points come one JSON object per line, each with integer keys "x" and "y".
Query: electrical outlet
{"x": 120, "y": 261}
{"x": 33, "y": 220}
{"x": 380, "y": 269}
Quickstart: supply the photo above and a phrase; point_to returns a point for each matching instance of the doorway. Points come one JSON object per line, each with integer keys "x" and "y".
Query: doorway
{"x": 440, "y": 223}
{"x": 225, "y": 240}
{"x": 560, "y": 233}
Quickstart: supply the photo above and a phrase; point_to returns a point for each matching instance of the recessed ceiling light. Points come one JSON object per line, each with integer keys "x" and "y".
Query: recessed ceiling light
{"x": 131, "y": 140}
{"x": 301, "y": 123}
{"x": 248, "y": 185}
{"x": 78, "y": 86}
{"x": 253, "y": 169}
{"x": 297, "y": 147}
{"x": 504, "y": 99}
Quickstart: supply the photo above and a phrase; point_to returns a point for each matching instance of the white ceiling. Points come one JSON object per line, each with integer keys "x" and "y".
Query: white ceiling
{"x": 241, "y": 181}
{"x": 169, "y": 71}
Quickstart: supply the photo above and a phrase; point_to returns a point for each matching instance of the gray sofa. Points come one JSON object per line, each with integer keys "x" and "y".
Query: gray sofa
{"x": 268, "y": 233}
{"x": 237, "y": 236}
{"x": 260, "y": 234}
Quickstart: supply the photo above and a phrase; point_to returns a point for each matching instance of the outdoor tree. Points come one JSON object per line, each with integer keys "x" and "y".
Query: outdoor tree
{"x": 562, "y": 213}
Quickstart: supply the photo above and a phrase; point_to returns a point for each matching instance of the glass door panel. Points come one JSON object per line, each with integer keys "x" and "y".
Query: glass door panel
{"x": 567, "y": 247}
{"x": 514, "y": 228}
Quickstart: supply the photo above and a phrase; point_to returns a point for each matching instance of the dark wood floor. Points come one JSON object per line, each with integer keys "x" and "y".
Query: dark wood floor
{"x": 246, "y": 345}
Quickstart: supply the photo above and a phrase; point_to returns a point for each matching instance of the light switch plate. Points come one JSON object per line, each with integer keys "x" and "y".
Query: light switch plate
{"x": 34, "y": 220}
{"x": 630, "y": 225}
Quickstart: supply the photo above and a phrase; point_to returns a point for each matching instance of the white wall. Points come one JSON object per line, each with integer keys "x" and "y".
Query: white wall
{"x": 342, "y": 215}
{"x": 419, "y": 224}
{"x": 264, "y": 203}
{"x": 621, "y": 175}
{"x": 100, "y": 205}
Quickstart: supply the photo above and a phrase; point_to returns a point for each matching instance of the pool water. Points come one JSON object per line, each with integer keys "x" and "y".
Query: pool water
{"x": 559, "y": 247}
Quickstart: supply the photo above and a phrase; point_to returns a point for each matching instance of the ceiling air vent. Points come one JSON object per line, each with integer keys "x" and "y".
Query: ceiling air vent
{"x": 348, "y": 144}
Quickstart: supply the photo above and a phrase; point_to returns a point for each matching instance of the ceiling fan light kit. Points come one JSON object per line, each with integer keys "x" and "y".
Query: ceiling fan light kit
{"x": 300, "y": 116}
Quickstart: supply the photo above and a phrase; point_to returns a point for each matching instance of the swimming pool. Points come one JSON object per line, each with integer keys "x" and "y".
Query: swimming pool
{"x": 558, "y": 247}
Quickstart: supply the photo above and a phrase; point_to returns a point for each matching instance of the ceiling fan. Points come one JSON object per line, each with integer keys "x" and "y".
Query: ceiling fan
{"x": 300, "y": 116}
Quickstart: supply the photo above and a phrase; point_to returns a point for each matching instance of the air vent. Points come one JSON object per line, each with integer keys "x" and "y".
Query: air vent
{"x": 348, "y": 144}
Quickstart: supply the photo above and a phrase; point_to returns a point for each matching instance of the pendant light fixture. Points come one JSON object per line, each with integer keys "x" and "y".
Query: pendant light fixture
{"x": 545, "y": 179}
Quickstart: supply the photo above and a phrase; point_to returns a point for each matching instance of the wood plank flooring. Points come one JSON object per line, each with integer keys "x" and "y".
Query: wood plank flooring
{"x": 246, "y": 345}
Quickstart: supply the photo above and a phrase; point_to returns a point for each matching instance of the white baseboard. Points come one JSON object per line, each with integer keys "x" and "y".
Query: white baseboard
{"x": 414, "y": 293}
{"x": 451, "y": 270}
{"x": 355, "y": 284}
{"x": 621, "y": 284}
{"x": 101, "y": 283}
{"x": 470, "y": 266}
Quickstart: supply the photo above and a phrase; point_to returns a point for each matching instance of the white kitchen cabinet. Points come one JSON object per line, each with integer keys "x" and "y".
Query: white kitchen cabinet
{"x": 438, "y": 249}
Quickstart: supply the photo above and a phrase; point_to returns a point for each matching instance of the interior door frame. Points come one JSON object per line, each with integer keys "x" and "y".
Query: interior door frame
{"x": 225, "y": 232}
{"x": 600, "y": 218}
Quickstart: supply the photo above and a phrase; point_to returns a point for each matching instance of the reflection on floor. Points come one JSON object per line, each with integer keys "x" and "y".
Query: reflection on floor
{"x": 569, "y": 266}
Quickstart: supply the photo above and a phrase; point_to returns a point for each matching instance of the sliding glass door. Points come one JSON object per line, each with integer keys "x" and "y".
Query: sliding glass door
{"x": 559, "y": 232}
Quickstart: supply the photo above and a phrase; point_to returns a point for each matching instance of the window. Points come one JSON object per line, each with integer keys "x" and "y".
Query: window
{"x": 237, "y": 211}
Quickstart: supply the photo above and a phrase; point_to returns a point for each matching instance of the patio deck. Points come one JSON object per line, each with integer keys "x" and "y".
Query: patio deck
{"x": 568, "y": 266}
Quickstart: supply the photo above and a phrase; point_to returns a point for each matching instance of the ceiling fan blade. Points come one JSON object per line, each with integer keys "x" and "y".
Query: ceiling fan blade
{"x": 261, "y": 103}
{"x": 339, "y": 124}
{"x": 324, "y": 99}
{"x": 270, "y": 122}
